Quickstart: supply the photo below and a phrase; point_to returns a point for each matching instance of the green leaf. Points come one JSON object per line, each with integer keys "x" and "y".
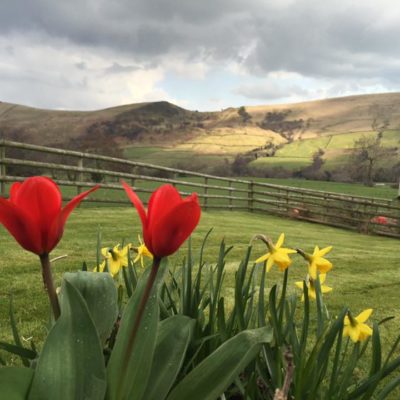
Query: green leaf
{"x": 15, "y": 382}
{"x": 214, "y": 374}
{"x": 16, "y": 337}
{"x": 100, "y": 294}
{"x": 388, "y": 388}
{"x": 173, "y": 338}
{"x": 71, "y": 365}
{"x": 24, "y": 353}
{"x": 127, "y": 374}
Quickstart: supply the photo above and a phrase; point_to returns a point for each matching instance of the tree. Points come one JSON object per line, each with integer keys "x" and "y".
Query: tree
{"x": 277, "y": 121}
{"x": 244, "y": 115}
{"x": 314, "y": 171}
{"x": 365, "y": 156}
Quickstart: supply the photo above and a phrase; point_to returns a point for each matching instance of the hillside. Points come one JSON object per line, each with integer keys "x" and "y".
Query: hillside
{"x": 284, "y": 135}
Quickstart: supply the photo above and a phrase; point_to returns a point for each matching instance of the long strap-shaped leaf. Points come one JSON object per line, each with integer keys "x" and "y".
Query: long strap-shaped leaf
{"x": 214, "y": 374}
{"x": 71, "y": 364}
{"x": 127, "y": 374}
{"x": 173, "y": 338}
{"x": 15, "y": 382}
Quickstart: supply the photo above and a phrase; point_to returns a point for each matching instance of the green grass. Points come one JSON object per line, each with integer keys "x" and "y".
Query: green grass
{"x": 365, "y": 273}
{"x": 299, "y": 153}
{"x": 381, "y": 191}
{"x": 169, "y": 157}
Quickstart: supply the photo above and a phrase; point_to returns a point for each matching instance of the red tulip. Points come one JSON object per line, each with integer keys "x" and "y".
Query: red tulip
{"x": 33, "y": 213}
{"x": 169, "y": 220}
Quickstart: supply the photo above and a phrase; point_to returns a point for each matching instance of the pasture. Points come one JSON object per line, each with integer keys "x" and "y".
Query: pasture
{"x": 365, "y": 272}
{"x": 337, "y": 148}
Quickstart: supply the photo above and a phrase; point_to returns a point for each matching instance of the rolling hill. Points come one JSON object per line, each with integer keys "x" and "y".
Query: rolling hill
{"x": 283, "y": 135}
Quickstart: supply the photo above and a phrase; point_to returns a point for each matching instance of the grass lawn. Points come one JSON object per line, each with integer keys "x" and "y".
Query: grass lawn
{"x": 366, "y": 268}
{"x": 382, "y": 191}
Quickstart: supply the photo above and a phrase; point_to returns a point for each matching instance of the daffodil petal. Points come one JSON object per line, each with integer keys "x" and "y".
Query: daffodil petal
{"x": 280, "y": 241}
{"x": 287, "y": 251}
{"x": 362, "y": 317}
{"x": 299, "y": 284}
{"x": 263, "y": 258}
{"x": 312, "y": 270}
{"x": 323, "y": 265}
{"x": 365, "y": 330}
{"x": 324, "y": 251}
{"x": 114, "y": 267}
{"x": 105, "y": 252}
{"x": 326, "y": 289}
{"x": 270, "y": 263}
{"x": 354, "y": 332}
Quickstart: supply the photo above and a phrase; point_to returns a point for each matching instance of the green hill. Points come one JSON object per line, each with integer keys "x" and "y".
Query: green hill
{"x": 276, "y": 135}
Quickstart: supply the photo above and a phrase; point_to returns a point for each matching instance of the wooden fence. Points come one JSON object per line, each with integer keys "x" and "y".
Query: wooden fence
{"x": 75, "y": 171}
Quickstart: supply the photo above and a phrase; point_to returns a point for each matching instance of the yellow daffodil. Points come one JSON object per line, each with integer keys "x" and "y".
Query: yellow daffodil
{"x": 115, "y": 257}
{"x": 355, "y": 327}
{"x": 142, "y": 251}
{"x": 316, "y": 261}
{"x": 277, "y": 255}
{"x": 312, "y": 286}
{"x": 100, "y": 268}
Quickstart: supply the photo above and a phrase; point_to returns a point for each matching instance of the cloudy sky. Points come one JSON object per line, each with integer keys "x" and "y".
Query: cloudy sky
{"x": 199, "y": 54}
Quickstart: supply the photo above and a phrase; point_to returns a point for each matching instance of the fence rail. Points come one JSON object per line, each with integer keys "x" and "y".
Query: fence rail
{"x": 72, "y": 169}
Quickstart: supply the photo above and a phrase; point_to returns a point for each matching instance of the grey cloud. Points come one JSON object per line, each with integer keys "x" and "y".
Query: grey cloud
{"x": 340, "y": 41}
{"x": 270, "y": 91}
{"x": 116, "y": 68}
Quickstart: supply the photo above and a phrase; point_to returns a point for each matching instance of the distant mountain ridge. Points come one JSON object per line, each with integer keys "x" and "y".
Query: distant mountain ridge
{"x": 163, "y": 126}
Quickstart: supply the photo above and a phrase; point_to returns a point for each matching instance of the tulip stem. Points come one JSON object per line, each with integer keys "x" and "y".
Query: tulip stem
{"x": 49, "y": 285}
{"x": 142, "y": 306}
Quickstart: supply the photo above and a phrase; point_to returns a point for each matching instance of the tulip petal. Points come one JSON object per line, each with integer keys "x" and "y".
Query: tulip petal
{"x": 66, "y": 211}
{"x": 169, "y": 232}
{"x": 57, "y": 227}
{"x": 161, "y": 202}
{"x": 13, "y": 191}
{"x": 20, "y": 225}
{"x": 134, "y": 198}
{"x": 39, "y": 197}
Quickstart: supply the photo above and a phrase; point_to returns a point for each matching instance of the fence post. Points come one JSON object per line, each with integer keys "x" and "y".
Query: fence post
{"x": 205, "y": 192}
{"x": 3, "y": 171}
{"x": 79, "y": 176}
{"x": 230, "y": 195}
{"x": 250, "y": 196}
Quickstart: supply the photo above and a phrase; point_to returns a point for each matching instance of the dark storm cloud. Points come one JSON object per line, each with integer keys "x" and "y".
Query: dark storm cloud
{"x": 351, "y": 43}
{"x": 319, "y": 39}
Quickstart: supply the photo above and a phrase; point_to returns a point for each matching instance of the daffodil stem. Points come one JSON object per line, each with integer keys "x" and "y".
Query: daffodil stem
{"x": 49, "y": 285}
{"x": 142, "y": 306}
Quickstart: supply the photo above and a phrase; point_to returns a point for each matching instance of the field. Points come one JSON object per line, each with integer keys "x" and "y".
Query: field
{"x": 337, "y": 147}
{"x": 365, "y": 270}
{"x": 173, "y": 157}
